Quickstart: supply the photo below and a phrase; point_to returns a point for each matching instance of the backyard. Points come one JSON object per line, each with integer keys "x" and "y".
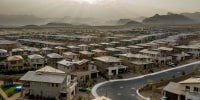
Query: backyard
{"x": 10, "y": 90}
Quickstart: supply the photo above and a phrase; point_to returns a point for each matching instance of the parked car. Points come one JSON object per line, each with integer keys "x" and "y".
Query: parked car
{"x": 82, "y": 89}
{"x": 171, "y": 64}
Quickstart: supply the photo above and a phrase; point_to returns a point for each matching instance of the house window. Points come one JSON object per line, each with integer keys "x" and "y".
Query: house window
{"x": 56, "y": 85}
{"x": 13, "y": 62}
{"x": 52, "y": 84}
{"x": 187, "y": 88}
{"x": 196, "y": 89}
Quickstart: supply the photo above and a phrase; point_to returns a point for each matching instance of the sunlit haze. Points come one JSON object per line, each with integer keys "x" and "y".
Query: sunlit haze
{"x": 96, "y": 8}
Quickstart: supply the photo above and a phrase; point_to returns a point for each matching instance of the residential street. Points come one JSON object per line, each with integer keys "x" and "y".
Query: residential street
{"x": 126, "y": 89}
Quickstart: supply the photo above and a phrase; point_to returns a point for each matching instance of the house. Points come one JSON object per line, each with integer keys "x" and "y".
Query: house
{"x": 31, "y": 50}
{"x": 78, "y": 68}
{"x": 99, "y": 52}
{"x": 49, "y": 83}
{"x": 106, "y": 45}
{"x": 46, "y": 50}
{"x": 53, "y": 58}
{"x": 180, "y": 56}
{"x": 3, "y": 54}
{"x": 84, "y": 47}
{"x": 74, "y": 49}
{"x": 112, "y": 51}
{"x": 153, "y": 54}
{"x": 70, "y": 56}
{"x": 86, "y": 55}
{"x": 109, "y": 65}
{"x": 110, "y": 39}
{"x": 94, "y": 46}
{"x": 165, "y": 54}
{"x": 137, "y": 62}
{"x": 16, "y": 61}
{"x": 185, "y": 90}
{"x": 115, "y": 44}
{"x": 193, "y": 50}
{"x": 135, "y": 49}
{"x": 124, "y": 50}
{"x": 126, "y": 42}
{"x": 17, "y": 51}
{"x": 8, "y": 45}
{"x": 60, "y": 50}
{"x": 36, "y": 60}
{"x": 66, "y": 66}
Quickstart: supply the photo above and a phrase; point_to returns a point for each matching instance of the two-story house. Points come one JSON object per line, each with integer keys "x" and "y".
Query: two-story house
{"x": 136, "y": 62}
{"x": 188, "y": 89}
{"x": 17, "y": 51}
{"x": 53, "y": 58}
{"x": 36, "y": 60}
{"x": 48, "y": 83}
{"x": 110, "y": 65}
{"x": 3, "y": 54}
{"x": 14, "y": 62}
{"x": 70, "y": 56}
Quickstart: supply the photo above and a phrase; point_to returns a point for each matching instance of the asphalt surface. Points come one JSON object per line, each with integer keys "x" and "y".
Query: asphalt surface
{"x": 126, "y": 89}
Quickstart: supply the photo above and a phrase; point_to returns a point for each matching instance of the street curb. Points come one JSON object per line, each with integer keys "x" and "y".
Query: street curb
{"x": 141, "y": 96}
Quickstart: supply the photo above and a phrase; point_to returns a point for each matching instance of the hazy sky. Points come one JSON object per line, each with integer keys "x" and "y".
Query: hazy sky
{"x": 97, "y": 8}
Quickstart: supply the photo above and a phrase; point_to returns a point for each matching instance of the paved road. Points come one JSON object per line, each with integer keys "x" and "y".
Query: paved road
{"x": 126, "y": 89}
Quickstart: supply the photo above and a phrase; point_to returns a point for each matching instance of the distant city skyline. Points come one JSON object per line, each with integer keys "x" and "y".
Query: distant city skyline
{"x": 105, "y": 9}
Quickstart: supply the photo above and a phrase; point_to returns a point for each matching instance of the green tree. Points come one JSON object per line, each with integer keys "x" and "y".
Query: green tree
{"x": 195, "y": 68}
{"x": 149, "y": 81}
{"x": 88, "y": 93}
{"x": 154, "y": 89}
{"x": 25, "y": 56}
{"x": 80, "y": 98}
{"x": 173, "y": 76}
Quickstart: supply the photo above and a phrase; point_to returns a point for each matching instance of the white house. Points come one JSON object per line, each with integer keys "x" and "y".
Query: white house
{"x": 3, "y": 54}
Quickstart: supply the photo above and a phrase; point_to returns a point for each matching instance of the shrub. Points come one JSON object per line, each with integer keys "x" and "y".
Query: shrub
{"x": 161, "y": 79}
{"x": 173, "y": 76}
{"x": 154, "y": 89}
{"x": 150, "y": 81}
{"x": 1, "y": 97}
{"x": 183, "y": 72}
{"x": 80, "y": 98}
{"x": 151, "y": 71}
{"x": 120, "y": 77}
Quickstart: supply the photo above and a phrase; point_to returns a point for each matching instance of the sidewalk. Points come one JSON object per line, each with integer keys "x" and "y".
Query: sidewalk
{"x": 14, "y": 97}
{"x": 3, "y": 94}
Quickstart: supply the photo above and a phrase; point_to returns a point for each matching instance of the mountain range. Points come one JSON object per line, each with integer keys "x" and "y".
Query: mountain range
{"x": 170, "y": 18}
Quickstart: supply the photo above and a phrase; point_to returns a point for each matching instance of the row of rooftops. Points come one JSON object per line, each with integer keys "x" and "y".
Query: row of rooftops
{"x": 41, "y": 42}
{"x": 5, "y": 42}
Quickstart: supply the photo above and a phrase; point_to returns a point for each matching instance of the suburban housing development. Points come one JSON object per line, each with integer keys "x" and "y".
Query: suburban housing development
{"x": 54, "y": 65}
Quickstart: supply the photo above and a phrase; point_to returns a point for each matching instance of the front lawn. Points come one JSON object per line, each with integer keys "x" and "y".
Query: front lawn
{"x": 10, "y": 91}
